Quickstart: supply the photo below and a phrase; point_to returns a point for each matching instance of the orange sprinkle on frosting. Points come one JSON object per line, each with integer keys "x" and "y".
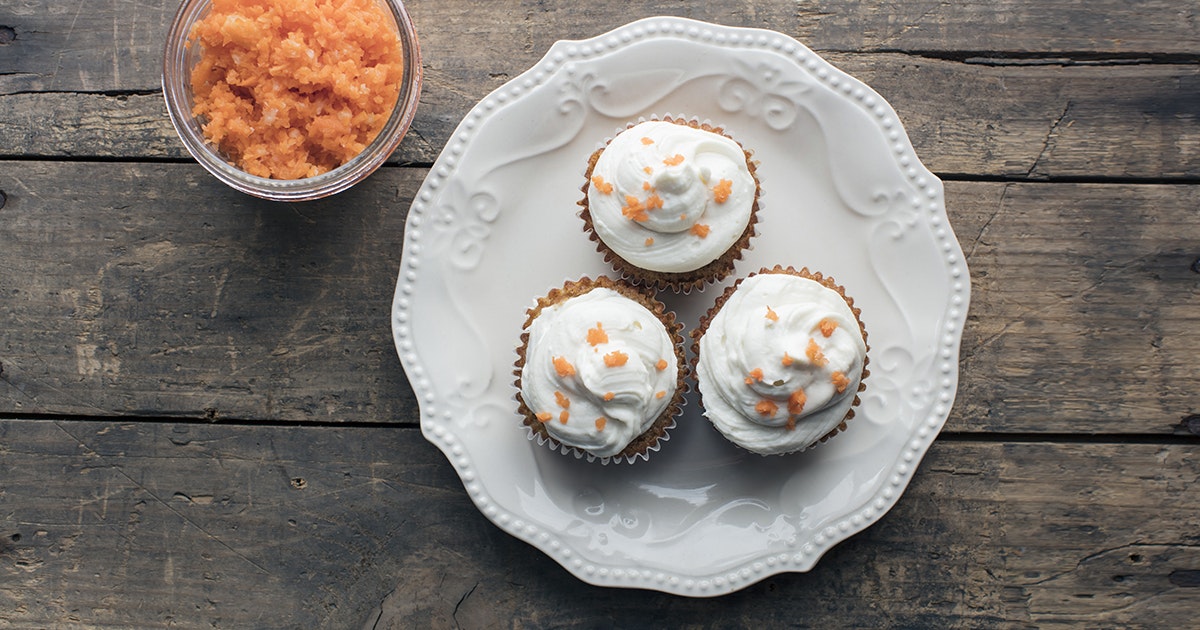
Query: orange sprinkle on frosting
{"x": 827, "y": 326}
{"x": 649, "y": 242}
{"x": 660, "y": 394}
{"x": 646, "y": 186}
{"x": 654, "y": 201}
{"x": 597, "y": 336}
{"x": 787, "y": 360}
{"x": 601, "y": 185}
{"x": 562, "y": 400}
{"x": 796, "y": 402}
{"x": 616, "y": 358}
{"x": 755, "y": 375}
{"x": 600, "y": 422}
{"x": 661, "y": 365}
{"x": 647, "y": 169}
{"x": 563, "y": 367}
{"x": 634, "y": 210}
{"x": 700, "y": 230}
{"x": 840, "y": 382}
{"x": 722, "y": 190}
{"x": 791, "y": 424}
{"x": 544, "y": 416}
{"x": 609, "y": 395}
{"x": 814, "y": 354}
{"x": 674, "y": 160}
{"x": 647, "y": 141}
{"x": 772, "y": 315}
{"x": 766, "y": 408}
{"x": 562, "y": 417}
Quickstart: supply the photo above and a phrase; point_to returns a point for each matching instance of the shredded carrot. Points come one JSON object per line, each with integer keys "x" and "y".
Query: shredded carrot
{"x": 827, "y": 326}
{"x": 700, "y": 230}
{"x": 544, "y": 416}
{"x": 654, "y": 201}
{"x": 562, "y": 400}
{"x": 616, "y": 358}
{"x": 766, "y": 408}
{"x": 796, "y": 402}
{"x": 772, "y": 315}
{"x": 787, "y": 359}
{"x": 660, "y": 394}
{"x": 840, "y": 382}
{"x": 634, "y": 210}
{"x": 814, "y": 354}
{"x": 755, "y": 375}
{"x": 597, "y": 336}
{"x": 562, "y": 417}
{"x": 649, "y": 242}
{"x": 674, "y": 160}
{"x": 563, "y": 367}
{"x": 609, "y": 395}
{"x": 601, "y": 185}
{"x": 722, "y": 190}
{"x": 791, "y": 424}
{"x": 600, "y": 422}
{"x": 647, "y": 169}
{"x": 647, "y": 141}
{"x": 661, "y": 365}
{"x": 292, "y": 89}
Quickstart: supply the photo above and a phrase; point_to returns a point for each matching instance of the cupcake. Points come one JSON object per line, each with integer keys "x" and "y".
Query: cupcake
{"x": 780, "y": 359}
{"x": 671, "y": 203}
{"x": 600, "y": 370}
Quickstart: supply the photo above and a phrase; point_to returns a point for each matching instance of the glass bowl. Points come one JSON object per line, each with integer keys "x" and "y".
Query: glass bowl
{"x": 181, "y": 54}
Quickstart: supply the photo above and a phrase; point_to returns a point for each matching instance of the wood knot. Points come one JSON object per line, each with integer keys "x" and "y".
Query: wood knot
{"x": 299, "y": 483}
{"x": 8, "y": 35}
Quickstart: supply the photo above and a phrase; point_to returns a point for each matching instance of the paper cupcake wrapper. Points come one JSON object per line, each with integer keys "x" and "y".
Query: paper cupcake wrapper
{"x": 686, "y": 281}
{"x": 650, "y": 440}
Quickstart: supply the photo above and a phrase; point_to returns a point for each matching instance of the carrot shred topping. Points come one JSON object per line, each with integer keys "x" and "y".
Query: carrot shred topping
{"x": 544, "y": 416}
{"x": 646, "y": 186}
{"x": 616, "y": 358}
{"x": 647, "y": 169}
{"x": 661, "y": 365}
{"x": 609, "y": 395}
{"x": 796, "y": 402}
{"x": 766, "y": 408}
{"x": 634, "y": 210}
{"x": 563, "y": 367}
{"x": 814, "y": 354}
{"x": 840, "y": 382}
{"x": 597, "y": 336}
{"x": 649, "y": 242}
{"x": 654, "y": 201}
{"x": 772, "y": 315}
{"x": 562, "y": 417}
{"x": 722, "y": 190}
{"x": 791, "y": 424}
{"x": 787, "y": 360}
{"x": 674, "y": 160}
{"x": 755, "y": 375}
{"x": 660, "y": 394}
{"x": 562, "y": 400}
{"x": 601, "y": 185}
{"x": 647, "y": 141}
{"x": 600, "y": 422}
{"x": 827, "y": 326}
{"x": 700, "y": 230}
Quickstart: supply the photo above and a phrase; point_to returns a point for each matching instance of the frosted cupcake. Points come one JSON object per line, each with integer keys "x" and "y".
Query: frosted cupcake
{"x": 671, "y": 203}
{"x": 780, "y": 359}
{"x": 600, "y": 370}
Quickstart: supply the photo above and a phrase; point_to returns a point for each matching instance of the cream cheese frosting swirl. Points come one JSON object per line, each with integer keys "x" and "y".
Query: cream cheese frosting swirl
{"x": 599, "y": 370}
{"x": 780, "y": 363}
{"x": 669, "y": 197}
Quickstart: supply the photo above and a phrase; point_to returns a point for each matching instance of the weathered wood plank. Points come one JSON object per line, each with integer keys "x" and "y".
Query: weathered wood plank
{"x": 187, "y": 299}
{"x": 117, "y": 46}
{"x": 997, "y": 121}
{"x": 150, "y": 525}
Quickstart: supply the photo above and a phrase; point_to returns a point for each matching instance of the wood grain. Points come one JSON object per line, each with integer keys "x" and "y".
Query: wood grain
{"x": 227, "y": 526}
{"x": 185, "y": 299}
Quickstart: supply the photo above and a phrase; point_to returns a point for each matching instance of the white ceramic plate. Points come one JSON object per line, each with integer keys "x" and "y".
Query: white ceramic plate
{"x": 495, "y": 225}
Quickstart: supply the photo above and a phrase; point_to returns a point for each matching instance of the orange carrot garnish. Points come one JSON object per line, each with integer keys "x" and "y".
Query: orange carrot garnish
{"x": 796, "y": 402}
{"x": 840, "y": 382}
{"x": 766, "y": 408}
{"x": 562, "y": 400}
{"x": 597, "y": 336}
{"x": 814, "y": 354}
{"x": 602, "y": 185}
{"x": 654, "y": 201}
{"x": 562, "y": 417}
{"x": 661, "y": 365}
{"x": 700, "y": 230}
{"x": 609, "y": 395}
{"x": 772, "y": 315}
{"x": 787, "y": 359}
{"x": 827, "y": 326}
{"x": 674, "y": 160}
{"x": 544, "y": 416}
{"x": 649, "y": 242}
{"x": 647, "y": 141}
{"x": 660, "y": 394}
{"x": 721, "y": 190}
{"x": 563, "y": 367}
{"x": 616, "y": 358}
{"x": 600, "y": 422}
{"x": 634, "y": 210}
{"x": 647, "y": 169}
{"x": 646, "y": 186}
{"x": 755, "y": 375}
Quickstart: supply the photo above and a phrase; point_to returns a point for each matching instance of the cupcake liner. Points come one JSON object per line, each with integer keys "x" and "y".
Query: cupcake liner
{"x": 678, "y": 282}
{"x": 828, "y": 282}
{"x": 650, "y": 440}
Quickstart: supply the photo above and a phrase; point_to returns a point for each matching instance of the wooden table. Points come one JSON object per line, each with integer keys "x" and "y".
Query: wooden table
{"x": 203, "y": 422}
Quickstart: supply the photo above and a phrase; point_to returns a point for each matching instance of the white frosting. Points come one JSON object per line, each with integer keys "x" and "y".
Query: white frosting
{"x": 771, "y": 314}
{"x": 685, "y": 190}
{"x": 638, "y": 391}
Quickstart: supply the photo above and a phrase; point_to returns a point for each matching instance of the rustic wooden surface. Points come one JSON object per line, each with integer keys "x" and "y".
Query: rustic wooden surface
{"x": 203, "y": 422}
